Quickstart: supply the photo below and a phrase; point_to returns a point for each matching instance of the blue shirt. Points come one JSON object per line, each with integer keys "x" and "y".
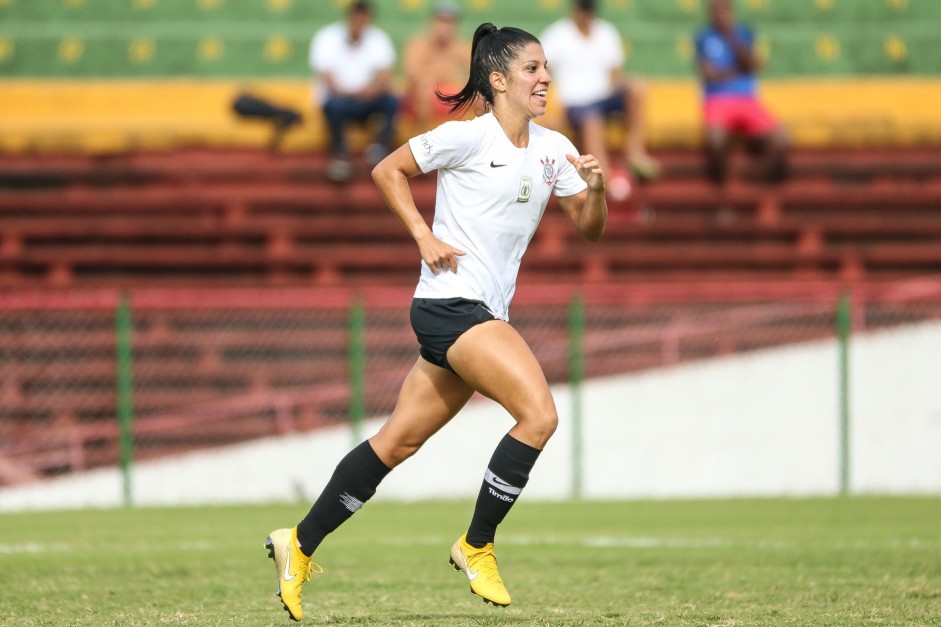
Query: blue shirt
{"x": 713, "y": 47}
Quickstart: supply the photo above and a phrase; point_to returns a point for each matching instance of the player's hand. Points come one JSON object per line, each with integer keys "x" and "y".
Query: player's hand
{"x": 438, "y": 255}
{"x": 589, "y": 169}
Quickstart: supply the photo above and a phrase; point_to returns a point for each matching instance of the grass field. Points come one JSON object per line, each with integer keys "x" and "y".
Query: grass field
{"x": 859, "y": 561}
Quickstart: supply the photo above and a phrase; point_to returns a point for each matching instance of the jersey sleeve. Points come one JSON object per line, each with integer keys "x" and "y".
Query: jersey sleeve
{"x": 568, "y": 182}
{"x": 447, "y": 146}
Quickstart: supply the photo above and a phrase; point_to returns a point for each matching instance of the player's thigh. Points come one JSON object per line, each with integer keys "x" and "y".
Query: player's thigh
{"x": 497, "y": 362}
{"x": 429, "y": 398}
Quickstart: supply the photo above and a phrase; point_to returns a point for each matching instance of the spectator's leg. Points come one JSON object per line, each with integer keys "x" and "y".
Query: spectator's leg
{"x": 338, "y": 112}
{"x": 776, "y": 166}
{"x": 589, "y": 122}
{"x": 716, "y": 148}
{"x": 635, "y": 149}
{"x": 591, "y": 131}
{"x": 758, "y": 123}
{"x": 387, "y": 106}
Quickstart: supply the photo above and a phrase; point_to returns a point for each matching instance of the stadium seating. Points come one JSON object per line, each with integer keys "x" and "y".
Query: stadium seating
{"x": 262, "y": 219}
{"x": 180, "y": 65}
{"x": 136, "y": 38}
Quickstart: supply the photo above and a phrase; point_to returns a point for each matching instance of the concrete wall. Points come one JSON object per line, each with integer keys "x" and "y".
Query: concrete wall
{"x": 761, "y": 424}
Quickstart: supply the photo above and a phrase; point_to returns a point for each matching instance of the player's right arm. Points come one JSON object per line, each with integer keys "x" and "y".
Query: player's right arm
{"x": 391, "y": 178}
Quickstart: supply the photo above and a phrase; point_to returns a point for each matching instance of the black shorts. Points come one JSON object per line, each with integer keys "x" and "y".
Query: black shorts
{"x": 438, "y": 322}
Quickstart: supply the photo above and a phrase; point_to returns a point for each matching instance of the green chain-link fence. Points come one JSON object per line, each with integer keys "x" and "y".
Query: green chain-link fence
{"x": 207, "y": 369}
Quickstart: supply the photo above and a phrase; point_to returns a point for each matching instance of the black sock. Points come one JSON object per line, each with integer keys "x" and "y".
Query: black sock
{"x": 506, "y": 477}
{"x": 353, "y": 483}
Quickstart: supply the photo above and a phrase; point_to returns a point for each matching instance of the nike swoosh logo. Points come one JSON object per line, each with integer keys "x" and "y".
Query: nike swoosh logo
{"x": 472, "y": 575}
{"x": 498, "y": 165}
{"x": 500, "y": 484}
{"x": 287, "y": 568}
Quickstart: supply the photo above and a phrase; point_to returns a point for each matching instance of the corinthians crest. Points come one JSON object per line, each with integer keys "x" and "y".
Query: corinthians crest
{"x": 548, "y": 170}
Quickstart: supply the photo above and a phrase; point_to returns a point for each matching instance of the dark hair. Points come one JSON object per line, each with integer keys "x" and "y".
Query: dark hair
{"x": 361, "y": 6}
{"x": 493, "y": 49}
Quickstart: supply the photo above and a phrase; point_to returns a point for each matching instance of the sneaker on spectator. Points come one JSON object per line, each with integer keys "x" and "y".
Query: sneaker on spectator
{"x": 339, "y": 170}
{"x": 619, "y": 185}
{"x": 645, "y": 168}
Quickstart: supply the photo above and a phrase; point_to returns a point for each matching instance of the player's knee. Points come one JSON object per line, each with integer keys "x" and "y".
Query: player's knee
{"x": 540, "y": 425}
{"x": 549, "y": 424}
{"x": 394, "y": 451}
{"x": 545, "y": 428}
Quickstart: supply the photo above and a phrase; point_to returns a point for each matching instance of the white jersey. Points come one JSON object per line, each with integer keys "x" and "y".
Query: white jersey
{"x": 580, "y": 65}
{"x": 491, "y": 196}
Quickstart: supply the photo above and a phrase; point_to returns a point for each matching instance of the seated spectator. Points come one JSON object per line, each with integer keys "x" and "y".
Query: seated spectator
{"x": 436, "y": 59}
{"x": 586, "y": 59}
{"x": 352, "y": 66}
{"x": 727, "y": 65}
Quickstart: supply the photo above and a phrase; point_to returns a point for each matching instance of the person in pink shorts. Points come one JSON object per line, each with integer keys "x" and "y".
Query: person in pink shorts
{"x": 728, "y": 64}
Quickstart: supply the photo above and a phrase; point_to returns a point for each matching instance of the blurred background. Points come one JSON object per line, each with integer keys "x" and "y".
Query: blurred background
{"x": 186, "y": 299}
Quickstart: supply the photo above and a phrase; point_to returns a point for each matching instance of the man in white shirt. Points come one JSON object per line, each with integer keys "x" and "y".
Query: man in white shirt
{"x": 586, "y": 58}
{"x": 352, "y": 66}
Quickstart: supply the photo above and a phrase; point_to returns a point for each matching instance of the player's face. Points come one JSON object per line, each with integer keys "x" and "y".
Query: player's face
{"x": 528, "y": 81}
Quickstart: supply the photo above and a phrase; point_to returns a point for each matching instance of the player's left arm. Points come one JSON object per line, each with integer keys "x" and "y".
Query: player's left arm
{"x": 588, "y": 209}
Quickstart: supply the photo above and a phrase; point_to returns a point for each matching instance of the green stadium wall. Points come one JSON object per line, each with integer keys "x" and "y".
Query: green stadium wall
{"x": 147, "y": 55}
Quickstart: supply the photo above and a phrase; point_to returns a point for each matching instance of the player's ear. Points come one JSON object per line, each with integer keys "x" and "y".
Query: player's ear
{"x": 498, "y": 81}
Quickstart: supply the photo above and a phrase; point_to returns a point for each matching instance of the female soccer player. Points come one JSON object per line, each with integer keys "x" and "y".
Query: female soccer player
{"x": 495, "y": 174}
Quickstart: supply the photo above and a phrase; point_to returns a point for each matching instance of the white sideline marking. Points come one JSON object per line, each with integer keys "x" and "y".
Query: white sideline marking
{"x": 32, "y": 547}
{"x": 40, "y": 547}
{"x": 653, "y": 542}
{"x": 587, "y": 542}
{"x": 624, "y": 542}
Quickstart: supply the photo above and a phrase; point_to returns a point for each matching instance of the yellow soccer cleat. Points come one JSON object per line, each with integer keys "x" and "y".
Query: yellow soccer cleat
{"x": 294, "y": 568}
{"x": 480, "y": 566}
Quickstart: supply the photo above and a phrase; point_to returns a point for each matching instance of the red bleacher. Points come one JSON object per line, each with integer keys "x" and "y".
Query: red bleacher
{"x": 257, "y": 218}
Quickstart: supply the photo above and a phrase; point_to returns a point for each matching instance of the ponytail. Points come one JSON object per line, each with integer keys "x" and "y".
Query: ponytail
{"x": 492, "y": 49}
